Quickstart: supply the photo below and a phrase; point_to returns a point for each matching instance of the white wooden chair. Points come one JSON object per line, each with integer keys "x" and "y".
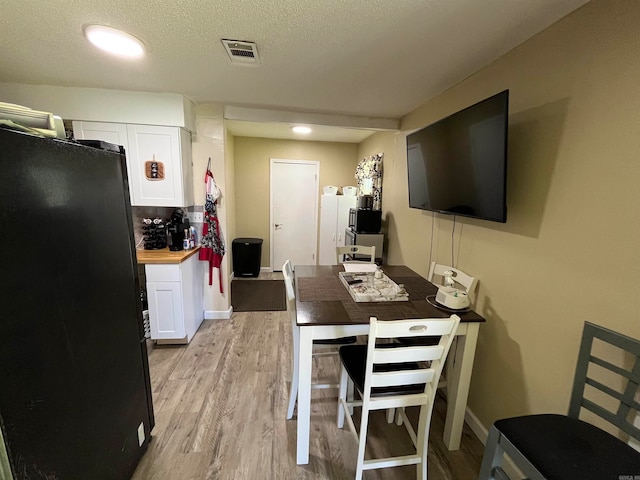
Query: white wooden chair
{"x": 320, "y": 348}
{"x": 463, "y": 281}
{"x": 390, "y": 375}
{"x": 353, "y": 250}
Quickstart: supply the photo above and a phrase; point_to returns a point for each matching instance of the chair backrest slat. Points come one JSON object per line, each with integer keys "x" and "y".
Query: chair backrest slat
{"x": 624, "y": 416}
{"x": 414, "y": 328}
{"x": 610, "y": 366}
{"x": 626, "y": 399}
{"x": 402, "y": 377}
{"x": 408, "y": 354}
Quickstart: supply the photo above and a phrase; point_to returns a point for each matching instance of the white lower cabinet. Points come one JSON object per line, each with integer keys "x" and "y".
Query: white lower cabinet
{"x": 159, "y": 163}
{"x": 174, "y": 293}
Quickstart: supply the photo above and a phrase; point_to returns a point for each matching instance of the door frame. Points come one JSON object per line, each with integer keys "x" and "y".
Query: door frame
{"x": 315, "y": 163}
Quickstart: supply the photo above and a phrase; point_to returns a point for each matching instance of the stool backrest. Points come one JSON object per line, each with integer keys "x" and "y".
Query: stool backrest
{"x": 287, "y": 272}
{"x": 599, "y": 384}
{"x": 356, "y": 250}
{"x": 468, "y": 283}
{"x": 407, "y": 365}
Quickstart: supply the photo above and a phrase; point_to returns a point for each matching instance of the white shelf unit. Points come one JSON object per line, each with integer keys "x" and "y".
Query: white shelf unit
{"x": 334, "y": 220}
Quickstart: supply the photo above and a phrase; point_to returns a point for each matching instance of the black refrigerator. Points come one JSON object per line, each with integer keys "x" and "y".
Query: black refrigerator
{"x": 75, "y": 396}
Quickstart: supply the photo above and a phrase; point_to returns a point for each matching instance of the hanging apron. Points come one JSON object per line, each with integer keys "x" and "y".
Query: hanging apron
{"x": 212, "y": 246}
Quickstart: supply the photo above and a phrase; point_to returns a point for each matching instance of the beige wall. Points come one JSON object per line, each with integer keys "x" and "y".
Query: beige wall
{"x": 252, "y": 162}
{"x": 569, "y": 250}
{"x": 229, "y": 162}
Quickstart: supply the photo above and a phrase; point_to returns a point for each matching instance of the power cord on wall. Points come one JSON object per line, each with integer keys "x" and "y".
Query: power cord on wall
{"x": 433, "y": 220}
{"x": 454, "y": 263}
{"x": 459, "y": 243}
{"x": 453, "y": 230}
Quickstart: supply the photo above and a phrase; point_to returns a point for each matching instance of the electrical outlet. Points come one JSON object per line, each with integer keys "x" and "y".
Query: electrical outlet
{"x": 198, "y": 217}
{"x": 141, "y": 435}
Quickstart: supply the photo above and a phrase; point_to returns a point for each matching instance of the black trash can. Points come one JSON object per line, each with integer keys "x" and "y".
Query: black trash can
{"x": 247, "y": 253}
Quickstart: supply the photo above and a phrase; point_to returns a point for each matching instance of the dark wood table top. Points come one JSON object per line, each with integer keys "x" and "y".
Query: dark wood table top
{"x": 322, "y": 299}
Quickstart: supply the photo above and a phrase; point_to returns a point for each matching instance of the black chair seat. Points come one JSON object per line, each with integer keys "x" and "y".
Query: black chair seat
{"x": 335, "y": 341}
{"x": 418, "y": 341}
{"x": 354, "y": 359}
{"x": 564, "y": 448}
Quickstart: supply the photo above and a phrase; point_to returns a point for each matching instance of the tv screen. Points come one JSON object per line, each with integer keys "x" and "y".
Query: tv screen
{"x": 458, "y": 165}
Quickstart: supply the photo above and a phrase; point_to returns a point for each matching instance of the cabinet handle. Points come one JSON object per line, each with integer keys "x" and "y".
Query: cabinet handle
{"x": 339, "y": 237}
{"x": 333, "y": 237}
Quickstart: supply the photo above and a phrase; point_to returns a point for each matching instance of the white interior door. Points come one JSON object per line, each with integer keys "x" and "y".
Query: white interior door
{"x": 294, "y": 212}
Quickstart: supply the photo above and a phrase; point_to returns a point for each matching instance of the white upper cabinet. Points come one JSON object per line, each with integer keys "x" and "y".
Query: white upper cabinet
{"x": 161, "y": 171}
{"x": 108, "y": 132}
{"x": 158, "y": 160}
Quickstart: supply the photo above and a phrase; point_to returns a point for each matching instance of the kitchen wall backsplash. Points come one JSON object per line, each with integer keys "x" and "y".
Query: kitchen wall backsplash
{"x": 164, "y": 213}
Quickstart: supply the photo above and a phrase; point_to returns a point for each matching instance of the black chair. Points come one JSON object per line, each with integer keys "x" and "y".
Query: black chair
{"x": 562, "y": 447}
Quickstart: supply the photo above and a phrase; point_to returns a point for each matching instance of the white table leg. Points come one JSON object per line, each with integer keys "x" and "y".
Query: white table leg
{"x": 458, "y": 386}
{"x": 304, "y": 394}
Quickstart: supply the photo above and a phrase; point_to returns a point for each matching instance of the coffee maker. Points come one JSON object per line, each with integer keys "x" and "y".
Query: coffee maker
{"x": 177, "y": 224}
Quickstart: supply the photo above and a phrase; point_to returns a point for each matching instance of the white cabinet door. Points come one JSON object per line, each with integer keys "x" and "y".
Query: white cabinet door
{"x": 175, "y": 296}
{"x": 115, "y": 133}
{"x": 108, "y": 132}
{"x": 192, "y": 274}
{"x": 157, "y": 170}
{"x": 328, "y": 236}
{"x": 165, "y": 310}
{"x": 345, "y": 202}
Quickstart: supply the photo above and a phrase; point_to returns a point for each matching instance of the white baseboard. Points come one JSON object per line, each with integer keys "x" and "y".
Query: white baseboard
{"x": 476, "y": 426}
{"x": 482, "y": 433}
{"x": 218, "y": 314}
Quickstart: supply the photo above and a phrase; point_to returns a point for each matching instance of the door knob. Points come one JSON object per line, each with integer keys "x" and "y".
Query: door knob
{"x": 277, "y": 226}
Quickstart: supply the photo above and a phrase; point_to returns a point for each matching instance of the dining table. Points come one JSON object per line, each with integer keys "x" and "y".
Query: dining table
{"x": 326, "y": 310}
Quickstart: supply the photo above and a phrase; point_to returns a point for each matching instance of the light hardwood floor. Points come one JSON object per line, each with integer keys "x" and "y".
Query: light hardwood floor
{"x": 220, "y": 406}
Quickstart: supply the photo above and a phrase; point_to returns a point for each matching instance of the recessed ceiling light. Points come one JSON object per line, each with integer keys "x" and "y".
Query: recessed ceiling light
{"x": 301, "y": 129}
{"x": 114, "y": 41}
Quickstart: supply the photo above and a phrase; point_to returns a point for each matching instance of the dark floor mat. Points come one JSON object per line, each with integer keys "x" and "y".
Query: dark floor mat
{"x": 257, "y": 295}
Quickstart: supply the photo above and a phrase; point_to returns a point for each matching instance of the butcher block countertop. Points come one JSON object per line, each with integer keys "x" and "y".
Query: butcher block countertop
{"x": 164, "y": 255}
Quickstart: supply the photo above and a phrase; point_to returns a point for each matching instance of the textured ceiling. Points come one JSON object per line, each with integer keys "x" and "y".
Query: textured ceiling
{"x": 374, "y": 58}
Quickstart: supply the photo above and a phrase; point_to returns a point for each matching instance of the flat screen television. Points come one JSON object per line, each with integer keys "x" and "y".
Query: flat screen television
{"x": 458, "y": 165}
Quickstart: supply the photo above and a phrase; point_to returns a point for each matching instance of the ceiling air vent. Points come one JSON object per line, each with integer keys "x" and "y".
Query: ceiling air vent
{"x": 241, "y": 52}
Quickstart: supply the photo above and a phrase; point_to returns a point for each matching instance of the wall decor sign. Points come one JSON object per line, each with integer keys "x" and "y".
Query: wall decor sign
{"x": 369, "y": 176}
{"x": 154, "y": 170}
